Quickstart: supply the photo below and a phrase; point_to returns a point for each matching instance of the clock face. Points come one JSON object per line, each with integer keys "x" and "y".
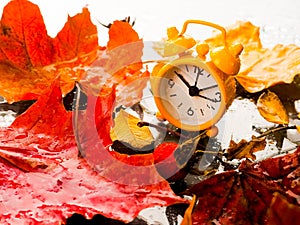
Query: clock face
{"x": 190, "y": 96}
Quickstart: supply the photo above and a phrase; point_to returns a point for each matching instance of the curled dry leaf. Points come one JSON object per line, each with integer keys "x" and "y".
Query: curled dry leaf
{"x": 245, "y": 149}
{"x": 271, "y": 108}
{"x": 125, "y": 129}
{"x": 246, "y": 196}
{"x": 30, "y": 60}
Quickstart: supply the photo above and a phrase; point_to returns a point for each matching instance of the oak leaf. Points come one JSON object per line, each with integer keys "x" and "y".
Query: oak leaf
{"x": 30, "y": 60}
{"x": 271, "y": 108}
{"x": 125, "y": 129}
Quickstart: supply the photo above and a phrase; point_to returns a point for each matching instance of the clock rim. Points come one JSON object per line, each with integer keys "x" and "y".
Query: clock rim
{"x": 155, "y": 84}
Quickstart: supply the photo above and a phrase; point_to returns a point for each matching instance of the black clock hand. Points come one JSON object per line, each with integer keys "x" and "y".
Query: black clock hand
{"x": 206, "y": 88}
{"x": 210, "y": 99}
{"x": 196, "y": 81}
{"x": 182, "y": 79}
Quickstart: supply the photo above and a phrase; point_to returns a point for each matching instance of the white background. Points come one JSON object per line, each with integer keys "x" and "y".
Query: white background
{"x": 153, "y": 17}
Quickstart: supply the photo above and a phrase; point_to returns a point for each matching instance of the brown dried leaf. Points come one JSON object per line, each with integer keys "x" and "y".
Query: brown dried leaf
{"x": 246, "y": 196}
{"x": 245, "y": 149}
{"x": 271, "y": 108}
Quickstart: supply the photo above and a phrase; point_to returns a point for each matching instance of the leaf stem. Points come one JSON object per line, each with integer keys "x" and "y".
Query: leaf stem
{"x": 277, "y": 129}
{"x": 143, "y": 123}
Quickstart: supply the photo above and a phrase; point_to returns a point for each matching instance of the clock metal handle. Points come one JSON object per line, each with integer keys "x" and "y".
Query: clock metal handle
{"x": 206, "y": 23}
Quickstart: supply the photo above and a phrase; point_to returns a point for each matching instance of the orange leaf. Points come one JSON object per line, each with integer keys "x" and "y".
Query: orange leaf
{"x": 263, "y": 68}
{"x": 78, "y": 37}
{"x": 187, "y": 219}
{"x": 241, "y": 32}
{"x": 271, "y": 108}
{"x": 120, "y": 64}
{"x": 121, "y": 33}
{"x": 24, "y": 43}
{"x": 30, "y": 60}
{"x": 260, "y": 67}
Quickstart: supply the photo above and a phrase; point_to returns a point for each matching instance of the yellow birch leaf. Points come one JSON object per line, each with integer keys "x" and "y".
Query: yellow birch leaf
{"x": 298, "y": 128}
{"x": 126, "y": 130}
{"x": 187, "y": 219}
{"x": 271, "y": 108}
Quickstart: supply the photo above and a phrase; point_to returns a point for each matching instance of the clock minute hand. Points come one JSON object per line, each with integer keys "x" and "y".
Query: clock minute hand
{"x": 182, "y": 79}
{"x": 207, "y": 88}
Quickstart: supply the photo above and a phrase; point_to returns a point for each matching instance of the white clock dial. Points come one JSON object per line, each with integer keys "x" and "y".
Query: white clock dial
{"x": 190, "y": 94}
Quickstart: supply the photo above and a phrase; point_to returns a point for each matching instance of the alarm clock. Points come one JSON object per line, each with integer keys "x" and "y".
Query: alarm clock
{"x": 188, "y": 91}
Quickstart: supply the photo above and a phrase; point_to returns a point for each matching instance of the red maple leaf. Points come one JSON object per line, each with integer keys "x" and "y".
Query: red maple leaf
{"x": 251, "y": 194}
{"x": 44, "y": 181}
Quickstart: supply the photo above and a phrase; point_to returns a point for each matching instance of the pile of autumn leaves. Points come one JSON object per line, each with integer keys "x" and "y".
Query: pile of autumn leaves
{"x": 43, "y": 180}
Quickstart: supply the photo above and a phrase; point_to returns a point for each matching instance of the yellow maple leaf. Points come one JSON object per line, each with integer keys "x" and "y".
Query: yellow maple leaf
{"x": 271, "y": 108}
{"x": 126, "y": 130}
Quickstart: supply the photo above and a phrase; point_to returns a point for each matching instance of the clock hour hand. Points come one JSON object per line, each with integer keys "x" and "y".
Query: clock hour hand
{"x": 182, "y": 79}
{"x": 210, "y": 99}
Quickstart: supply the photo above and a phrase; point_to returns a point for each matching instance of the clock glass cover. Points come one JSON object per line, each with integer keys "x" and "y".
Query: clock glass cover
{"x": 190, "y": 96}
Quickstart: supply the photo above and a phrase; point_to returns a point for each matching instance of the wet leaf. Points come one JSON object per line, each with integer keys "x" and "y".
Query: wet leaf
{"x": 43, "y": 179}
{"x": 271, "y": 108}
{"x": 40, "y": 136}
{"x": 278, "y": 205}
{"x": 125, "y": 129}
{"x": 30, "y": 60}
{"x": 246, "y": 196}
{"x": 245, "y": 149}
{"x": 166, "y": 162}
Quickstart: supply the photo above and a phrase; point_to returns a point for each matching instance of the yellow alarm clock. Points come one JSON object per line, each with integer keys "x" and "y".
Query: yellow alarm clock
{"x": 188, "y": 91}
